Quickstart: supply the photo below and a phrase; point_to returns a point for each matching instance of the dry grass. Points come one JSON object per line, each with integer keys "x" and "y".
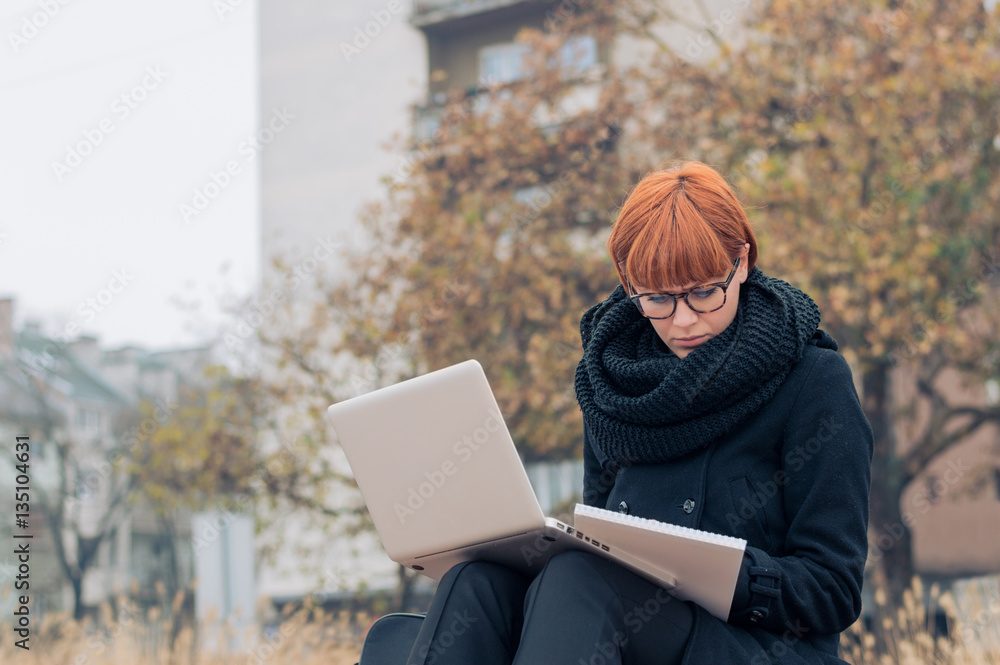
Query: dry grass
{"x": 304, "y": 637}
{"x": 311, "y": 637}
{"x": 907, "y": 633}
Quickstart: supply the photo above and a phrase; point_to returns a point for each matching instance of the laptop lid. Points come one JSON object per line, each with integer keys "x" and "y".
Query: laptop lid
{"x": 435, "y": 463}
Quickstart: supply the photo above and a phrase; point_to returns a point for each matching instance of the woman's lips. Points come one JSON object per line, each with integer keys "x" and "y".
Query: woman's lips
{"x": 693, "y": 341}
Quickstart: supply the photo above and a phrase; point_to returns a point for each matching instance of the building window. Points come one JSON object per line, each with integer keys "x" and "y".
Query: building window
{"x": 504, "y": 63}
{"x": 87, "y": 481}
{"x": 579, "y": 54}
{"x": 88, "y": 420}
{"x": 427, "y": 125}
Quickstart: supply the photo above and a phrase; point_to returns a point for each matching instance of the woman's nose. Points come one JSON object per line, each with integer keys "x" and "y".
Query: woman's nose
{"x": 684, "y": 315}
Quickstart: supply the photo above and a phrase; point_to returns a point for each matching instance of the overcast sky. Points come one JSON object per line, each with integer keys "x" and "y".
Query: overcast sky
{"x": 114, "y": 112}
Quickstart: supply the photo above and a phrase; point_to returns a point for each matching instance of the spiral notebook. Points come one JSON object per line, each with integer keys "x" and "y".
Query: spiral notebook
{"x": 704, "y": 564}
{"x": 443, "y": 483}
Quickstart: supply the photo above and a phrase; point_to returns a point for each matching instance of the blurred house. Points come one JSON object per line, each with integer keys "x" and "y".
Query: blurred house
{"x": 955, "y": 504}
{"x": 79, "y": 405}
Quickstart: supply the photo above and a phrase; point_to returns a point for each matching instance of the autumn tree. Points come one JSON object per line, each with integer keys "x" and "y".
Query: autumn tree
{"x": 865, "y": 137}
{"x": 490, "y": 246}
{"x": 862, "y": 136}
{"x": 231, "y": 444}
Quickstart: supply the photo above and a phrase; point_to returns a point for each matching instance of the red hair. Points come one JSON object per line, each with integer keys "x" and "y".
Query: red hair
{"x": 678, "y": 226}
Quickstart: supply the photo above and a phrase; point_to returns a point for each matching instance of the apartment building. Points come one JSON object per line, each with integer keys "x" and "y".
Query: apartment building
{"x": 357, "y": 75}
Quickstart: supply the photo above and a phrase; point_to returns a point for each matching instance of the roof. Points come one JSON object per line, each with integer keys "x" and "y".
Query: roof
{"x": 17, "y": 399}
{"x": 52, "y": 361}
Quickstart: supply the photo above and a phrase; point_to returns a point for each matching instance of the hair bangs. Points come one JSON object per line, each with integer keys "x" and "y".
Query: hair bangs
{"x": 676, "y": 248}
{"x": 679, "y": 227}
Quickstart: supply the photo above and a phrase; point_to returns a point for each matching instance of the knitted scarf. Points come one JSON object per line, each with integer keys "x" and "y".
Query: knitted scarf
{"x": 643, "y": 404}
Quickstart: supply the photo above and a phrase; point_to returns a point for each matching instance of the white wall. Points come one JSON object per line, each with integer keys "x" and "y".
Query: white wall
{"x": 347, "y": 100}
{"x": 349, "y": 95}
{"x": 224, "y": 568}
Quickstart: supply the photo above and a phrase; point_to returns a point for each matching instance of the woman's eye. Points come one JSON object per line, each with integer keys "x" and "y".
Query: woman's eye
{"x": 658, "y": 300}
{"x": 704, "y": 294}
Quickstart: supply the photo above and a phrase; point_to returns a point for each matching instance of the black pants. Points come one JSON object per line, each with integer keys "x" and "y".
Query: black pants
{"x": 580, "y": 610}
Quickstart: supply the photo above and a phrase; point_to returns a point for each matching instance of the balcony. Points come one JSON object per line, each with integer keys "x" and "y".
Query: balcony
{"x": 498, "y": 66}
{"x": 455, "y": 16}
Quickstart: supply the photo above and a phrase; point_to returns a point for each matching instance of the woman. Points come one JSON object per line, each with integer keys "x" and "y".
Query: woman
{"x": 710, "y": 399}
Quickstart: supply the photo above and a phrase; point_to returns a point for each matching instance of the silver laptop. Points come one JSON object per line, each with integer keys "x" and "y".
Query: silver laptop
{"x": 443, "y": 481}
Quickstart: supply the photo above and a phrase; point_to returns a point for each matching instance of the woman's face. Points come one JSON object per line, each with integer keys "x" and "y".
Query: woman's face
{"x": 677, "y": 331}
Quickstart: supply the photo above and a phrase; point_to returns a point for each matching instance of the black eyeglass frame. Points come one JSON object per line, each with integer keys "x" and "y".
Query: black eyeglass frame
{"x": 723, "y": 285}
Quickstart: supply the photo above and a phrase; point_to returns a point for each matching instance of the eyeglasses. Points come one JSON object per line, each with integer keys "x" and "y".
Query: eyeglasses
{"x": 702, "y": 299}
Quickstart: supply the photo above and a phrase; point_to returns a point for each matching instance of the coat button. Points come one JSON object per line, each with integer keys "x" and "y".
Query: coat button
{"x": 756, "y": 616}
{"x": 689, "y": 506}
{"x": 623, "y": 507}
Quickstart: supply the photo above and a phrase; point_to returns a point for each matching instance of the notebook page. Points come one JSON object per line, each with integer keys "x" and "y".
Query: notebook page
{"x": 705, "y": 564}
{"x": 660, "y": 527}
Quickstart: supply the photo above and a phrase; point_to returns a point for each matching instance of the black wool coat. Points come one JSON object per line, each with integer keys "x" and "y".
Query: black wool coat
{"x": 793, "y": 481}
